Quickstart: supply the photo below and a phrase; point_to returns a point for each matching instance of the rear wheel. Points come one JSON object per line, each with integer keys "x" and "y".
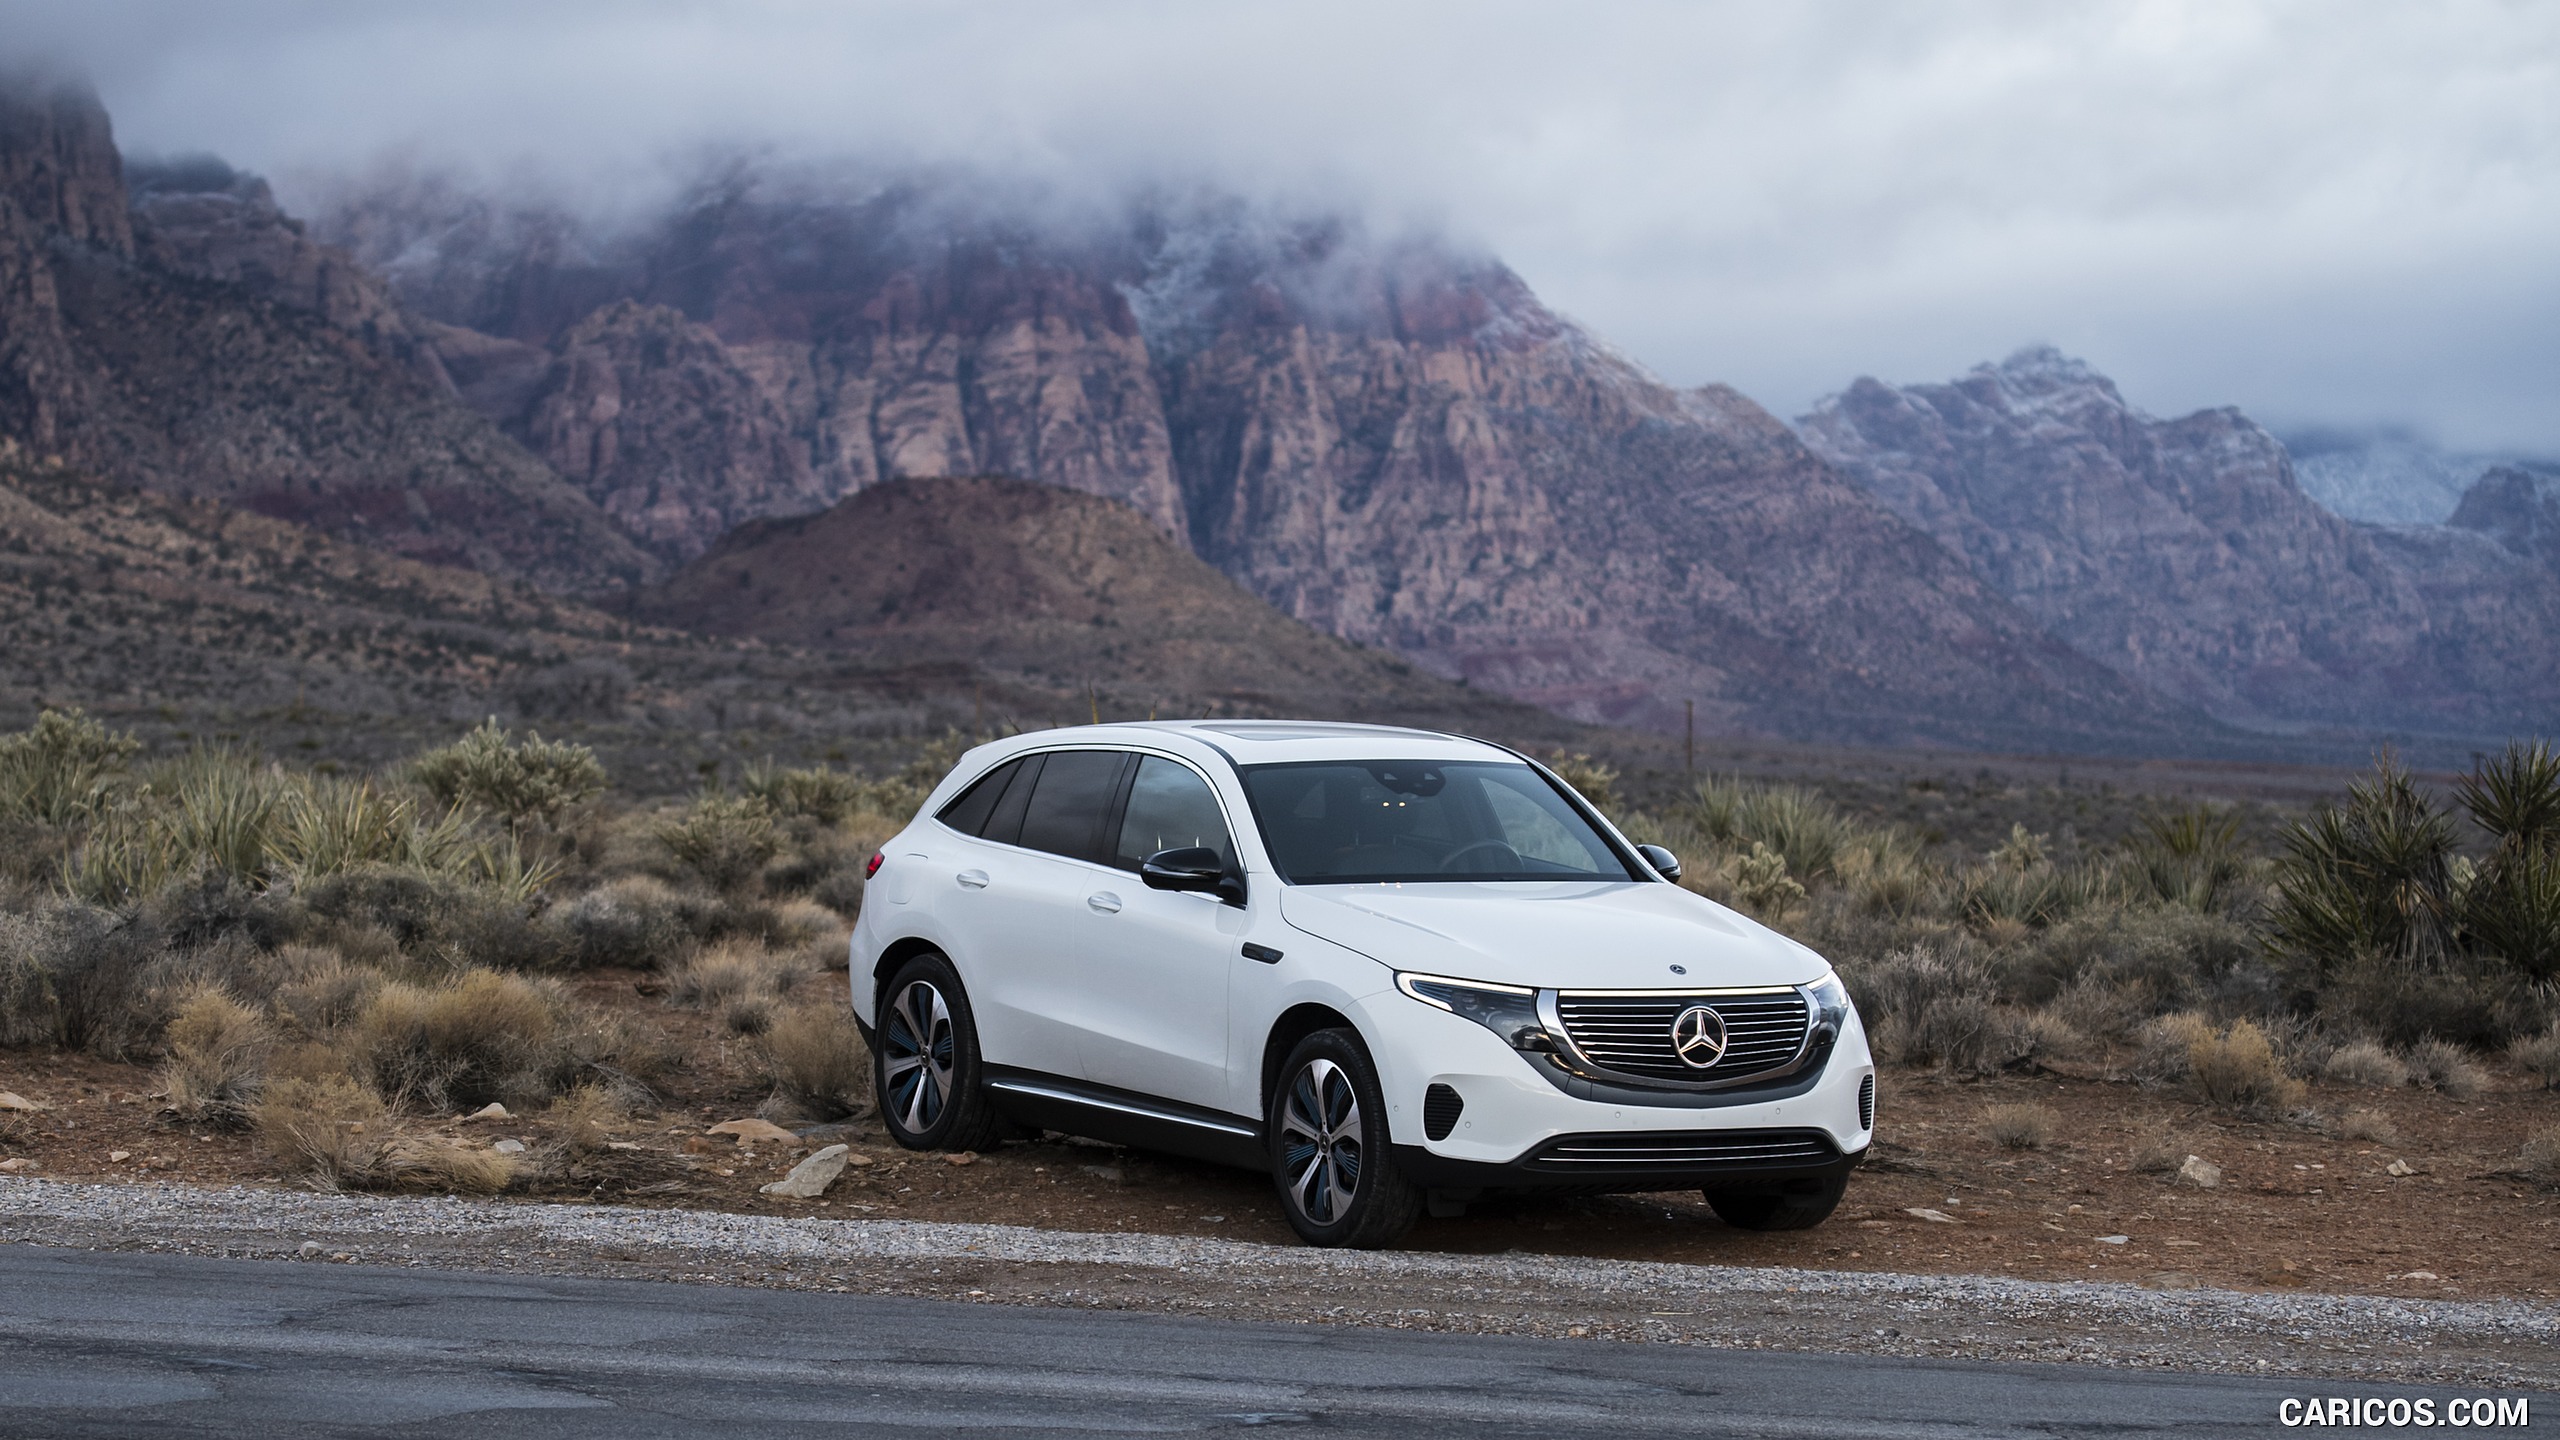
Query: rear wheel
{"x": 926, "y": 1068}
{"x": 1330, "y": 1153}
{"x": 1789, "y": 1209}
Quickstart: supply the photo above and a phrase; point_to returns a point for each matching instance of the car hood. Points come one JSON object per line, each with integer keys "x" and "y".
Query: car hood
{"x": 1570, "y": 935}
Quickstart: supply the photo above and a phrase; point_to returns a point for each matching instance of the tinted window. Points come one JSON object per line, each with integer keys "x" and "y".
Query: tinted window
{"x": 1069, "y": 802}
{"x": 970, "y": 812}
{"x": 1399, "y": 820}
{"x": 1169, "y": 808}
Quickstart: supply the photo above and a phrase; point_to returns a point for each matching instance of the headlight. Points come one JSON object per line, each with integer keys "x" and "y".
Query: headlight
{"x": 1510, "y": 1011}
{"x": 1830, "y": 1001}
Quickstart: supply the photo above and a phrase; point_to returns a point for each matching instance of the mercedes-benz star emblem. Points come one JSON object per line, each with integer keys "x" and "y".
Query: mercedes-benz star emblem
{"x": 1697, "y": 1037}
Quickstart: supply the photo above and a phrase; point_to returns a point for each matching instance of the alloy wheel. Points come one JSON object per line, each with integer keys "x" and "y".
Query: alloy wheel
{"x": 1321, "y": 1142}
{"x": 917, "y": 1051}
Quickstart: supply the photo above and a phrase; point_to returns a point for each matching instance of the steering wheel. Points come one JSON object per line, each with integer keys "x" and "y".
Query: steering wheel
{"x": 1450, "y": 862}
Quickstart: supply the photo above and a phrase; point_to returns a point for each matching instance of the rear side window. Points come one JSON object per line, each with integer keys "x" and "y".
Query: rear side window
{"x": 1070, "y": 801}
{"x": 969, "y": 814}
{"x": 1169, "y": 808}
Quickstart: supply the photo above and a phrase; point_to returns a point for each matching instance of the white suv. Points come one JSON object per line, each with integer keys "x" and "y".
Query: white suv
{"x": 1393, "y": 968}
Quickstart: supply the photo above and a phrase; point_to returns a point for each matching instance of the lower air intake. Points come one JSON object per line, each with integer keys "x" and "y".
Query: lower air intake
{"x": 1441, "y": 1107}
{"x": 1867, "y": 1103}
{"x": 1684, "y": 1149}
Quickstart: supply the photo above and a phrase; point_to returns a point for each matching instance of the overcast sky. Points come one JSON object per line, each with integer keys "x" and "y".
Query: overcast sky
{"x": 2338, "y": 211}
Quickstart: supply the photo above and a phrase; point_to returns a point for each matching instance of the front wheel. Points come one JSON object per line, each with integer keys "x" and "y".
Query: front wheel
{"x": 1789, "y": 1209}
{"x": 1330, "y": 1153}
{"x": 926, "y": 1067}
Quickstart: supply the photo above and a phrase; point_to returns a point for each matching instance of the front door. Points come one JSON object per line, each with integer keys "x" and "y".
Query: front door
{"x": 1162, "y": 958}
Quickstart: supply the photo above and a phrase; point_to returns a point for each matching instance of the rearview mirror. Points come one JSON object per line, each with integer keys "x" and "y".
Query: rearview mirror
{"x": 1192, "y": 867}
{"x": 1663, "y": 861}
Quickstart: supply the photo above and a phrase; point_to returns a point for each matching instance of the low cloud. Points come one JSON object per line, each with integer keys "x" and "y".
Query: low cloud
{"x": 2320, "y": 212}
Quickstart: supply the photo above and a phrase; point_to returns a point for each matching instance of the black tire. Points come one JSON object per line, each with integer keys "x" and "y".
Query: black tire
{"x": 925, "y": 1066}
{"x": 1331, "y": 1158}
{"x": 1780, "y": 1210}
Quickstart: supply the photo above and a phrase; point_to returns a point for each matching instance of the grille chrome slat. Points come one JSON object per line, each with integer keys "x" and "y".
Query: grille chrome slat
{"x": 1631, "y": 1034}
{"x": 1688, "y": 1148}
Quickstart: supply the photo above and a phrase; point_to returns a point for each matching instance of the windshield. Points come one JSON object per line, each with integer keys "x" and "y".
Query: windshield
{"x": 1355, "y": 822}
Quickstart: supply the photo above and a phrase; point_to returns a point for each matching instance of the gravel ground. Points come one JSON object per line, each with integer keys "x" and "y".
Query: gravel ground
{"x": 2514, "y": 1343}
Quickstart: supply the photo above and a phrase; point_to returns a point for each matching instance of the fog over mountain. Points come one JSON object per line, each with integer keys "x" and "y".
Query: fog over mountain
{"x": 2325, "y": 215}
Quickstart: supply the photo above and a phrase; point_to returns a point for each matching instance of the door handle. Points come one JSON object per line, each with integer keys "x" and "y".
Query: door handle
{"x": 1104, "y": 901}
{"x": 972, "y": 879}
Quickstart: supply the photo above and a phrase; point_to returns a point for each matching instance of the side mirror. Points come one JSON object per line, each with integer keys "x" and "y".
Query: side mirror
{"x": 1663, "y": 861}
{"x": 1192, "y": 867}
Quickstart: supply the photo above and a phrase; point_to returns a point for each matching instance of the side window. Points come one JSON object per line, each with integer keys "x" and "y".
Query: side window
{"x": 969, "y": 813}
{"x": 1169, "y": 808}
{"x": 1070, "y": 800}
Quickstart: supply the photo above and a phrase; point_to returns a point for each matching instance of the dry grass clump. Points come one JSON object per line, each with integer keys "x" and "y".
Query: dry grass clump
{"x": 2165, "y": 1052}
{"x": 340, "y": 1136}
{"x": 321, "y": 991}
{"x": 2539, "y": 1056}
{"x": 2367, "y": 1124}
{"x": 634, "y": 921}
{"x": 582, "y": 1120}
{"x": 2367, "y": 1064}
{"x": 2156, "y": 1151}
{"x": 2237, "y": 1071}
{"x": 2019, "y": 1127}
{"x": 2442, "y": 1065}
{"x": 818, "y": 1062}
{"x": 217, "y": 1063}
{"x": 470, "y": 1039}
{"x": 2541, "y": 1156}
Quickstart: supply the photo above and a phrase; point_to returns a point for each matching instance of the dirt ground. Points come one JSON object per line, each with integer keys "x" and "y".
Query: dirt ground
{"x": 2296, "y": 1206}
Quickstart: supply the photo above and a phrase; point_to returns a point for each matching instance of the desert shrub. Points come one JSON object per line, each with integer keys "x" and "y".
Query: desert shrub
{"x": 2237, "y": 1071}
{"x": 82, "y": 978}
{"x": 2097, "y": 1006}
{"x": 2511, "y": 909}
{"x": 2166, "y": 1046}
{"x": 2035, "y": 896}
{"x": 2541, "y": 1157}
{"x": 817, "y": 793}
{"x": 2442, "y": 1065}
{"x": 329, "y": 826}
{"x": 2404, "y": 1001}
{"x": 725, "y": 840}
{"x": 1594, "y": 780}
{"x": 320, "y": 992}
{"x": 217, "y": 1061}
{"x": 1936, "y": 1006}
{"x": 518, "y": 779}
{"x": 226, "y": 813}
{"x": 899, "y": 796}
{"x": 731, "y": 971}
{"x": 437, "y": 916}
{"x": 61, "y": 769}
{"x": 2367, "y": 1064}
{"x": 817, "y": 1060}
{"x": 2050, "y": 1036}
{"x": 2368, "y": 1125}
{"x": 2539, "y": 1056}
{"x": 582, "y": 1120}
{"x": 2372, "y": 877}
{"x": 475, "y": 1037}
{"x": 2153, "y": 956}
{"x": 2019, "y": 1127}
{"x": 340, "y": 1136}
{"x": 212, "y": 908}
{"x": 840, "y": 888}
{"x": 634, "y": 921}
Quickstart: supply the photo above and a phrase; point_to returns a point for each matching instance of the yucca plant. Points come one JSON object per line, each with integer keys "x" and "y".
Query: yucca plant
{"x": 224, "y": 812}
{"x": 518, "y": 779}
{"x": 821, "y": 794}
{"x": 2190, "y": 857}
{"x": 2374, "y": 876}
{"x": 2511, "y": 908}
{"x": 1801, "y": 827}
{"x": 330, "y": 825}
{"x": 128, "y": 853}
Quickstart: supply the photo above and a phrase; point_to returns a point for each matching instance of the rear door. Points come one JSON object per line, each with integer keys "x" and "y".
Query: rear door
{"x": 1157, "y": 962}
{"x": 1011, "y": 905}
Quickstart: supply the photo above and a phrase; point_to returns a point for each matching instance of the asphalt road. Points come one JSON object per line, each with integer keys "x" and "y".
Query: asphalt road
{"x": 123, "y": 1344}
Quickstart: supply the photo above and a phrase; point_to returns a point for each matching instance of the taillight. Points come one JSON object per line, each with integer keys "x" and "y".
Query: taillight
{"x": 872, "y": 867}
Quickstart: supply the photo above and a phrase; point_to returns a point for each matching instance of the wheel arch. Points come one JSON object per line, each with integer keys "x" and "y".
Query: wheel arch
{"x": 897, "y": 953}
{"x": 1295, "y": 1024}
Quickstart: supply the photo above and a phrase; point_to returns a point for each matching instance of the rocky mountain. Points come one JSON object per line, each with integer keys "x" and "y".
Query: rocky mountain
{"x": 182, "y": 334}
{"x": 1391, "y": 441}
{"x": 2184, "y": 554}
{"x": 2388, "y": 475}
{"x": 2518, "y": 508}
{"x": 1055, "y": 589}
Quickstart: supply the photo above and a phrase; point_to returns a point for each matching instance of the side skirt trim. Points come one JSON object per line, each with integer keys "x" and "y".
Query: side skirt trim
{"x": 1097, "y": 1112}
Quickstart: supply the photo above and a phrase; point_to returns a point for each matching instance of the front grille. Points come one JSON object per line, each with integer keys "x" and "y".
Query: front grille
{"x": 1441, "y": 1107}
{"x": 1631, "y": 1034}
{"x": 1867, "y": 1103}
{"x": 1685, "y": 1149}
